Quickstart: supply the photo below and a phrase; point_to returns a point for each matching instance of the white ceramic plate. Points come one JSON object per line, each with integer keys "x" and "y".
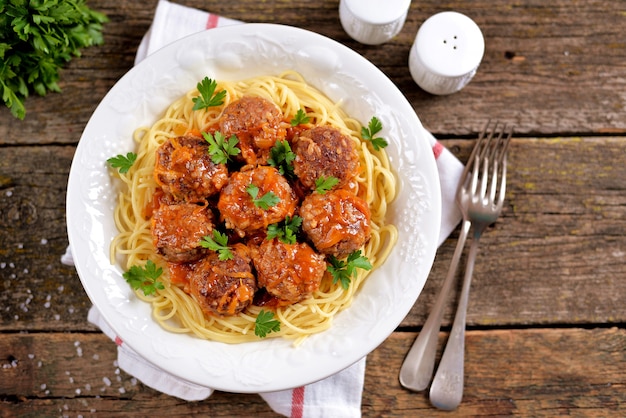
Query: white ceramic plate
{"x": 234, "y": 53}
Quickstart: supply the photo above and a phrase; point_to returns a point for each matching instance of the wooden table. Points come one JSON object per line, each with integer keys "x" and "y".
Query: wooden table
{"x": 546, "y": 317}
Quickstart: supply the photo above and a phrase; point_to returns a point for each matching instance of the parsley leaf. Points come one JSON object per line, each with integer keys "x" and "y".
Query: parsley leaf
{"x": 144, "y": 278}
{"x": 123, "y": 162}
{"x": 300, "y": 118}
{"x": 286, "y": 230}
{"x": 219, "y": 243}
{"x": 266, "y": 201}
{"x": 369, "y": 133}
{"x": 265, "y": 323}
{"x": 220, "y": 149}
{"x": 282, "y": 157}
{"x": 208, "y": 97}
{"x": 343, "y": 271}
{"x": 37, "y": 39}
{"x": 325, "y": 183}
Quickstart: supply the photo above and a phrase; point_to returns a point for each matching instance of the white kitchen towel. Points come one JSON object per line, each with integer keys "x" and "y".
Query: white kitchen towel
{"x": 336, "y": 396}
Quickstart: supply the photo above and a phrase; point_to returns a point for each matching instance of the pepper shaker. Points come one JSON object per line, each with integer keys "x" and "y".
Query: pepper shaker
{"x": 446, "y": 53}
{"x": 373, "y": 22}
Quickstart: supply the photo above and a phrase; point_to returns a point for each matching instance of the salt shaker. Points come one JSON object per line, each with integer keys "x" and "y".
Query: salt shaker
{"x": 446, "y": 53}
{"x": 373, "y": 22}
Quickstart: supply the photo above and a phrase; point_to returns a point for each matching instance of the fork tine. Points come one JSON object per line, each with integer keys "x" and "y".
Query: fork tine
{"x": 478, "y": 152}
{"x": 502, "y": 161}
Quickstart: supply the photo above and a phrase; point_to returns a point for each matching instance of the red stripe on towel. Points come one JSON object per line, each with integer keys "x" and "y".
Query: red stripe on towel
{"x": 118, "y": 341}
{"x": 212, "y": 21}
{"x": 437, "y": 149}
{"x": 297, "y": 402}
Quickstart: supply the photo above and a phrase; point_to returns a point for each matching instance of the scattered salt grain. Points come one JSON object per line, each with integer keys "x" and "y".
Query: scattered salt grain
{"x": 57, "y": 317}
{"x": 88, "y": 387}
{"x": 122, "y": 390}
{"x": 20, "y": 245}
{"x": 96, "y": 357}
{"x": 70, "y": 309}
{"x": 106, "y": 381}
{"x": 3, "y": 265}
{"x": 77, "y": 391}
{"x": 9, "y": 193}
{"x": 31, "y": 356}
{"x": 79, "y": 352}
{"x": 43, "y": 386}
{"x": 43, "y": 241}
{"x": 61, "y": 288}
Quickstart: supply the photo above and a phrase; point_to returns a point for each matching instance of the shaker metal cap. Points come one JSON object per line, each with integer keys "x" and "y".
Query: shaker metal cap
{"x": 447, "y": 51}
{"x": 373, "y": 22}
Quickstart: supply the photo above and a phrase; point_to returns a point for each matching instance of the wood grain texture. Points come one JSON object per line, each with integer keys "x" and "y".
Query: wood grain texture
{"x": 546, "y": 316}
{"x": 552, "y": 68}
{"x": 77, "y": 374}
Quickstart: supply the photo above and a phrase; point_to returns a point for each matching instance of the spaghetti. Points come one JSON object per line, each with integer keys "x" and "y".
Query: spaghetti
{"x": 175, "y": 309}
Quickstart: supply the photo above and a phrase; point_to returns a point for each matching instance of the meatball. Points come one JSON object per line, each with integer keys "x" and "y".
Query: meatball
{"x": 289, "y": 272}
{"x": 238, "y": 208}
{"x": 324, "y": 151}
{"x": 223, "y": 287}
{"x": 185, "y": 172}
{"x": 337, "y": 223}
{"x": 177, "y": 230}
{"x": 257, "y": 123}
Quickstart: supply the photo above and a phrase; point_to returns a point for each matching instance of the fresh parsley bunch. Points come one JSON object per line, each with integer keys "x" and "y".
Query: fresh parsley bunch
{"x": 36, "y": 39}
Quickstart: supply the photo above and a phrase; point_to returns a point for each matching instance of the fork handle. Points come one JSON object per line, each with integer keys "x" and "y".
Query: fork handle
{"x": 446, "y": 391}
{"x": 418, "y": 366}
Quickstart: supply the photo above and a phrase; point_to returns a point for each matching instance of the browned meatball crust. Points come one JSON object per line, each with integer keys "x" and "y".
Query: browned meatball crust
{"x": 289, "y": 272}
{"x": 223, "y": 287}
{"x": 237, "y": 207}
{"x": 324, "y": 151}
{"x": 185, "y": 172}
{"x": 257, "y": 123}
{"x": 337, "y": 222}
{"x": 177, "y": 230}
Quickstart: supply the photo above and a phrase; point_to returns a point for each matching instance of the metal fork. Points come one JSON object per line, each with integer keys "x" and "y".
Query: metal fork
{"x": 418, "y": 366}
{"x": 480, "y": 198}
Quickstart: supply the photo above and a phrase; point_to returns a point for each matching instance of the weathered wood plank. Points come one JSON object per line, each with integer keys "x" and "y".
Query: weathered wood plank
{"x": 541, "y": 66}
{"x": 552, "y": 227}
{"x": 558, "y": 372}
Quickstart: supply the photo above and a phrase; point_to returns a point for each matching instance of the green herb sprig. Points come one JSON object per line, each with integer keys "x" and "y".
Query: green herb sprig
{"x": 344, "y": 271}
{"x": 300, "y": 118}
{"x": 369, "y": 134}
{"x": 221, "y": 149}
{"x": 286, "y": 231}
{"x": 282, "y": 157}
{"x": 37, "y": 38}
{"x": 325, "y": 183}
{"x": 266, "y": 201}
{"x": 145, "y": 278}
{"x": 208, "y": 97}
{"x": 219, "y": 243}
{"x": 123, "y": 162}
{"x": 265, "y": 324}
